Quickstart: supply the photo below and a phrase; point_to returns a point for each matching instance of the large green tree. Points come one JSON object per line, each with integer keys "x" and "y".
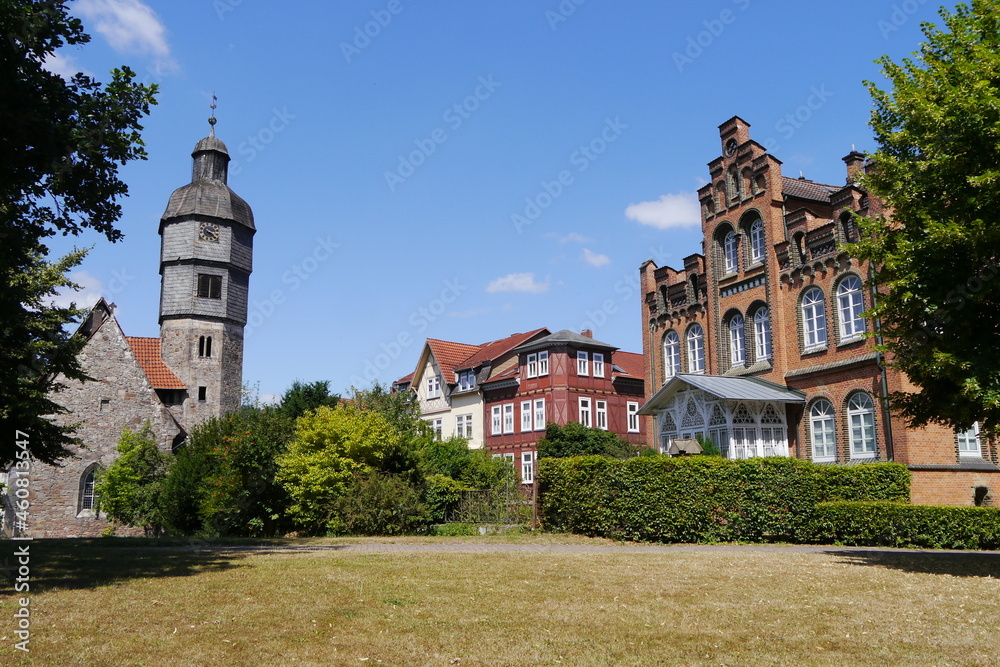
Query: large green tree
{"x": 61, "y": 143}
{"x": 936, "y": 247}
{"x": 130, "y": 491}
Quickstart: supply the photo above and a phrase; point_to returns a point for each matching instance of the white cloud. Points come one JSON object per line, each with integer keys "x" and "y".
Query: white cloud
{"x": 572, "y": 237}
{"x": 130, "y": 27}
{"x": 91, "y": 289}
{"x": 63, "y": 65}
{"x": 518, "y": 282}
{"x": 669, "y": 211}
{"x": 595, "y": 258}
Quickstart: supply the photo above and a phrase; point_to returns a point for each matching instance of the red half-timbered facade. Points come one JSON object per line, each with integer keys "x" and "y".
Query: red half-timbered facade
{"x": 563, "y": 377}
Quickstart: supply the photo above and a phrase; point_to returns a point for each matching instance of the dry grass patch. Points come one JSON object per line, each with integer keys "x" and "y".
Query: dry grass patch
{"x": 147, "y": 606}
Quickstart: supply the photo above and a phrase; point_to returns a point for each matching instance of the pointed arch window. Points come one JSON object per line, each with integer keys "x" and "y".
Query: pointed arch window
{"x": 696, "y": 349}
{"x": 757, "y": 241}
{"x": 205, "y": 347}
{"x": 737, "y": 343}
{"x": 762, "y": 334}
{"x": 813, "y": 319}
{"x": 730, "y": 255}
{"x": 671, "y": 355}
{"x": 851, "y": 304}
{"x": 88, "y": 494}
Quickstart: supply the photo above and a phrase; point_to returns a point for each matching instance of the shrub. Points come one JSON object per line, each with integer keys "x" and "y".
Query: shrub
{"x": 888, "y": 524}
{"x": 377, "y": 504}
{"x": 442, "y": 496}
{"x": 701, "y": 498}
{"x": 575, "y": 439}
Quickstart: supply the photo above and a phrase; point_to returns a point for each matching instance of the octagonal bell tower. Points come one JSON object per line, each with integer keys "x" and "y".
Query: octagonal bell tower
{"x": 206, "y": 257}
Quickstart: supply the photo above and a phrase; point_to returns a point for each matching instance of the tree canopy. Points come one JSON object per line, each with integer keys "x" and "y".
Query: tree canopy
{"x": 61, "y": 143}
{"x": 302, "y": 397}
{"x": 936, "y": 249}
{"x": 575, "y": 439}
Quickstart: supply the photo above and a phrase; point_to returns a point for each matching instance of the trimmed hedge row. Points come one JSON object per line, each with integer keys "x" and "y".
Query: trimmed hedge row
{"x": 702, "y": 499}
{"x": 883, "y": 524}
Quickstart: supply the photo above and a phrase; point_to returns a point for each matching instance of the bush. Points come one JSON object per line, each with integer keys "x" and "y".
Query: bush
{"x": 455, "y": 530}
{"x": 442, "y": 496}
{"x": 575, "y": 439}
{"x": 887, "y": 524}
{"x": 379, "y": 505}
{"x": 702, "y": 498}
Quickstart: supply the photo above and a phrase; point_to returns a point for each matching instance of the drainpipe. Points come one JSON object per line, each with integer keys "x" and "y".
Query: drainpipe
{"x": 880, "y": 360}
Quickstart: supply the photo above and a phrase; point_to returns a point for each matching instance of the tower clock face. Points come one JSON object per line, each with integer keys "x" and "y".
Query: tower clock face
{"x": 209, "y": 231}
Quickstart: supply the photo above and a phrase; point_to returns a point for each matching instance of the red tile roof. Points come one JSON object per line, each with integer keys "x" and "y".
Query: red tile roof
{"x": 498, "y": 348}
{"x": 631, "y": 363}
{"x": 147, "y": 352}
{"x": 406, "y": 379}
{"x": 449, "y": 355}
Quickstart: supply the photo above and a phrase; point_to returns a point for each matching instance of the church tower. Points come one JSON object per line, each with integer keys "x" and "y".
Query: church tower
{"x": 206, "y": 257}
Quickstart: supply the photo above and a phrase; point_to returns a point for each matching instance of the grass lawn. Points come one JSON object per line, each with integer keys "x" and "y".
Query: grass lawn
{"x": 107, "y": 602}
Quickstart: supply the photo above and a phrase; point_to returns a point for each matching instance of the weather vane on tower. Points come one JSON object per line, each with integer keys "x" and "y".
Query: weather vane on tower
{"x": 212, "y": 121}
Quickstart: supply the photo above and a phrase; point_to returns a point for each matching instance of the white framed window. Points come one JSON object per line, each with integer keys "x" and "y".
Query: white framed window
{"x": 861, "y": 420}
{"x": 601, "y": 415}
{"x": 508, "y": 418}
{"x": 463, "y": 426}
{"x": 435, "y": 425}
{"x": 822, "y": 431}
{"x": 582, "y": 363}
{"x": 598, "y": 365}
{"x": 813, "y": 319}
{"x": 696, "y": 349}
{"x": 496, "y": 423}
{"x": 737, "y": 343}
{"x": 585, "y": 412}
{"x": 527, "y": 467}
{"x": 509, "y": 457}
{"x": 466, "y": 380}
{"x": 532, "y": 365}
{"x": 757, "y": 241}
{"x": 729, "y": 252}
{"x": 851, "y": 304}
{"x": 762, "y": 334}
{"x": 525, "y": 416}
{"x": 434, "y": 386}
{"x": 671, "y": 355}
{"x": 632, "y": 410}
{"x": 543, "y": 363}
{"x": 539, "y": 414}
{"x": 968, "y": 442}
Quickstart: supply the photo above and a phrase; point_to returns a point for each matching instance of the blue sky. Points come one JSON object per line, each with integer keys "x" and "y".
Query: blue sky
{"x": 465, "y": 170}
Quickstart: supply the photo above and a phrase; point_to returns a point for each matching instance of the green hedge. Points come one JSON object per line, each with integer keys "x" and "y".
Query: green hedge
{"x": 887, "y": 524}
{"x": 702, "y": 499}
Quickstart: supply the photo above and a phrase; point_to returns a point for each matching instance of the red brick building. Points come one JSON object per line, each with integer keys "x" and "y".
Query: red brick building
{"x": 759, "y": 343}
{"x": 562, "y": 377}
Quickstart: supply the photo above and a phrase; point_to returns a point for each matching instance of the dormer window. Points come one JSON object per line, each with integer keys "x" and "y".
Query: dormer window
{"x": 466, "y": 380}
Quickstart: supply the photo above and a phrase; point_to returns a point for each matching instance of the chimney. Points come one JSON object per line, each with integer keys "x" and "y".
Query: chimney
{"x": 855, "y": 162}
{"x": 588, "y": 333}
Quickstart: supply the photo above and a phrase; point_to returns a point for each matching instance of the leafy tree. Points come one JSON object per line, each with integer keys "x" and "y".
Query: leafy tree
{"x": 377, "y": 504}
{"x": 61, "y": 143}
{"x": 575, "y": 439}
{"x": 330, "y": 448}
{"x": 302, "y": 397}
{"x": 936, "y": 253}
{"x": 223, "y": 481}
{"x": 400, "y": 408}
{"x": 130, "y": 490}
